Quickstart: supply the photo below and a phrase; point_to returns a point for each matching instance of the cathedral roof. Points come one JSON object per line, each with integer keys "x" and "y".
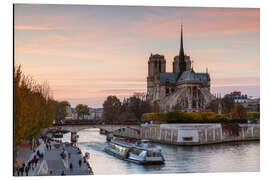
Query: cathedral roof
{"x": 168, "y": 78}
{"x": 204, "y": 77}
{"x": 192, "y": 77}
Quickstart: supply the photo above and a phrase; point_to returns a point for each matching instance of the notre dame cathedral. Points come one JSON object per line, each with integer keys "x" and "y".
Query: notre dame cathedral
{"x": 182, "y": 89}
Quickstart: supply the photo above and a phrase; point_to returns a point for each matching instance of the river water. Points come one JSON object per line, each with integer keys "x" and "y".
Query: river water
{"x": 226, "y": 157}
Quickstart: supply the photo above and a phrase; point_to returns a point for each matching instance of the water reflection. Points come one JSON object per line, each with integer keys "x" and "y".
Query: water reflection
{"x": 227, "y": 157}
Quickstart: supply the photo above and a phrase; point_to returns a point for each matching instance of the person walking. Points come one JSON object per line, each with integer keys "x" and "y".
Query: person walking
{"x": 32, "y": 163}
{"x": 18, "y": 171}
{"x": 70, "y": 166}
{"x": 80, "y": 163}
{"x": 38, "y": 153}
{"x": 21, "y": 170}
{"x": 63, "y": 173}
{"x": 26, "y": 170}
{"x": 36, "y": 161}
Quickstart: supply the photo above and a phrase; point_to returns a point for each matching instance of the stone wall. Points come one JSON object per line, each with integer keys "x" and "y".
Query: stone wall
{"x": 193, "y": 134}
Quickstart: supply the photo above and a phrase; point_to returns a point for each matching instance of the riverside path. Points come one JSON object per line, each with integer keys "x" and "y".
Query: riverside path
{"x": 52, "y": 164}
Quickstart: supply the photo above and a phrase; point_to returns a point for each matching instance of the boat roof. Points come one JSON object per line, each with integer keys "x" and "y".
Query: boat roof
{"x": 123, "y": 142}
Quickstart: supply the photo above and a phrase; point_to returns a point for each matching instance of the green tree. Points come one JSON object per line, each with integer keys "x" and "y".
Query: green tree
{"x": 82, "y": 110}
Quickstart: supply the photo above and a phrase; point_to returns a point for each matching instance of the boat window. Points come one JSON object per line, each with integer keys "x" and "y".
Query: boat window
{"x": 136, "y": 151}
{"x": 119, "y": 148}
{"x": 143, "y": 153}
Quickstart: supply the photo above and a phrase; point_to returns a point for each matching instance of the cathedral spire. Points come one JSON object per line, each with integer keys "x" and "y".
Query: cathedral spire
{"x": 182, "y": 62}
{"x": 181, "y": 42}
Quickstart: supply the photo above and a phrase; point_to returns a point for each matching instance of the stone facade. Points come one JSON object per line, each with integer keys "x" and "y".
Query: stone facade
{"x": 182, "y": 89}
{"x": 193, "y": 134}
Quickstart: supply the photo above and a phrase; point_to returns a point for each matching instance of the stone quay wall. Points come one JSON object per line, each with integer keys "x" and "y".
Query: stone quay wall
{"x": 193, "y": 134}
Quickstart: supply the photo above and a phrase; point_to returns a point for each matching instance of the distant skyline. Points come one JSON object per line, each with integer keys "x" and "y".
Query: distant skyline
{"x": 89, "y": 52}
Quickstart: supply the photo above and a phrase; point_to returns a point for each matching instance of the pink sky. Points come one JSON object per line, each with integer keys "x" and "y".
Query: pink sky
{"x": 89, "y": 52}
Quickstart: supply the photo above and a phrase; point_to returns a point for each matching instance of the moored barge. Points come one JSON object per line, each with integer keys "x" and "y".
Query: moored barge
{"x": 138, "y": 151}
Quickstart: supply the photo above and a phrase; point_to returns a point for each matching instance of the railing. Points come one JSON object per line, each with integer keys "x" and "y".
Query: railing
{"x": 89, "y": 122}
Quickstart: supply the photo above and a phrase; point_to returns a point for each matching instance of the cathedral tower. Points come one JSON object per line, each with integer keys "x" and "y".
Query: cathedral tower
{"x": 156, "y": 65}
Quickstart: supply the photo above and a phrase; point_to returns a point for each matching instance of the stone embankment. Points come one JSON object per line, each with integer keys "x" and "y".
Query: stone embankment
{"x": 193, "y": 134}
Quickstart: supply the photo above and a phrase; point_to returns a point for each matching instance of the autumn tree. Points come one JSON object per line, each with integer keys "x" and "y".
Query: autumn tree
{"x": 138, "y": 105}
{"x": 60, "y": 109}
{"x": 82, "y": 110}
{"x": 111, "y": 109}
{"x": 33, "y": 107}
{"x": 238, "y": 112}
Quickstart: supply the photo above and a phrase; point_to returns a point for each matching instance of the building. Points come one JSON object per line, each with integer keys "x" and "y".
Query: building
{"x": 251, "y": 104}
{"x": 96, "y": 113}
{"x": 182, "y": 89}
{"x": 237, "y": 97}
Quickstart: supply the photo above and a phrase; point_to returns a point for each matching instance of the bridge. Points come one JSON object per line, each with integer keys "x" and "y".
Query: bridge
{"x": 103, "y": 128}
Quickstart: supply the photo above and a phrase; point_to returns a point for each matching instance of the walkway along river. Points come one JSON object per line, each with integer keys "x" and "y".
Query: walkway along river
{"x": 226, "y": 157}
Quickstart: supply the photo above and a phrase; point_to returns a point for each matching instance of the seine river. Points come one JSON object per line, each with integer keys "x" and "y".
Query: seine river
{"x": 226, "y": 157}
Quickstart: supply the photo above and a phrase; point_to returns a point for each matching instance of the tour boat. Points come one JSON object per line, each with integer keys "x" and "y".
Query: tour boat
{"x": 138, "y": 151}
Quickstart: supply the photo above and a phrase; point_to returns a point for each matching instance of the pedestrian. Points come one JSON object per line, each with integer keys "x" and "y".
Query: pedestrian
{"x": 80, "y": 163}
{"x": 29, "y": 165}
{"x": 69, "y": 155}
{"x": 33, "y": 163}
{"x": 21, "y": 170}
{"x": 26, "y": 170}
{"x": 70, "y": 166}
{"x": 84, "y": 159}
{"x": 36, "y": 161}
{"x": 50, "y": 172}
{"x": 18, "y": 171}
{"x": 47, "y": 146}
{"x": 38, "y": 153}
{"x": 63, "y": 173}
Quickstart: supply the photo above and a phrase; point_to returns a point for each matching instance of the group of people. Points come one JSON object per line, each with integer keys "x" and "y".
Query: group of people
{"x": 80, "y": 164}
{"x": 38, "y": 156}
{"x": 32, "y": 164}
{"x": 47, "y": 142}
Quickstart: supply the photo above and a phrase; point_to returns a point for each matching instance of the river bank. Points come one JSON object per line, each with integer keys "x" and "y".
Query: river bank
{"x": 52, "y": 158}
{"x": 193, "y": 134}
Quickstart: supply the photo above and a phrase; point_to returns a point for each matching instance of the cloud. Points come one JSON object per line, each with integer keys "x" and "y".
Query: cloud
{"x": 34, "y": 27}
{"x": 249, "y": 90}
{"x": 254, "y": 58}
{"x": 236, "y": 81}
{"x": 205, "y": 22}
{"x": 210, "y": 51}
{"x": 229, "y": 12}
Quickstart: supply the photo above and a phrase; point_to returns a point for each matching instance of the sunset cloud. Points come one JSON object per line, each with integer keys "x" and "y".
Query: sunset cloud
{"x": 89, "y": 52}
{"x": 34, "y": 27}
